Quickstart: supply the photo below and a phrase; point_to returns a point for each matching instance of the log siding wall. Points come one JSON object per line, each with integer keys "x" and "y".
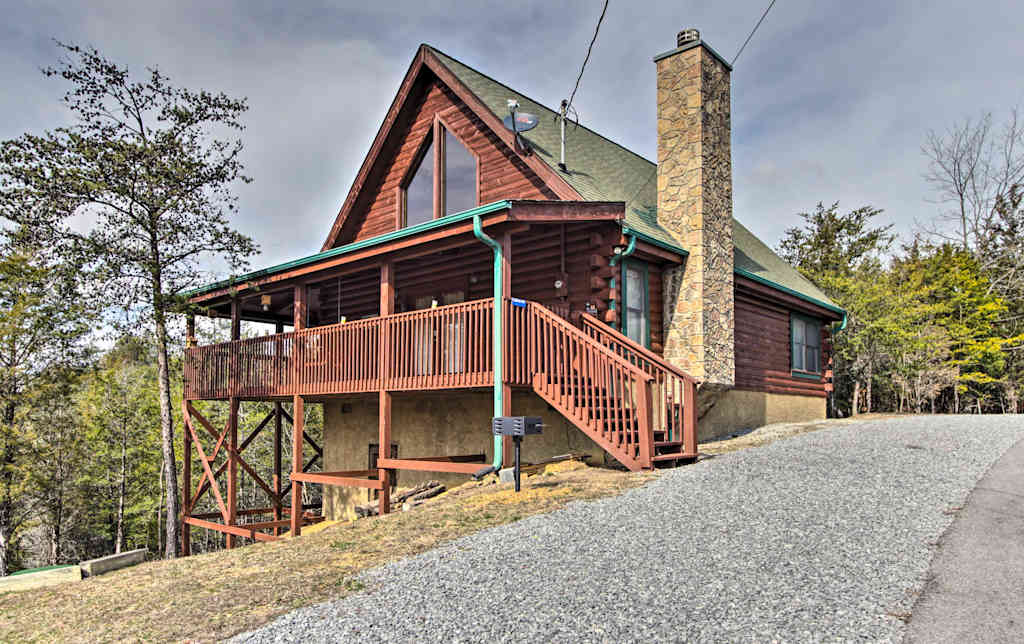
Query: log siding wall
{"x": 763, "y": 348}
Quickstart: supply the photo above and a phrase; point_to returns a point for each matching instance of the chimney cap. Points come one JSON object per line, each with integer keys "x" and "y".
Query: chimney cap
{"x": 687, "y": 36}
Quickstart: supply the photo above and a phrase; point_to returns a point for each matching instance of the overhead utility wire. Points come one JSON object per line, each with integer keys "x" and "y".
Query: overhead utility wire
{"x": 589, "y": 48}
{"x": 752, "y": 33}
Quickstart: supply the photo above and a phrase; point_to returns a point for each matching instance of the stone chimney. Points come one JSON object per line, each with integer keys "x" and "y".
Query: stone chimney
{"x": 695, "y": 205}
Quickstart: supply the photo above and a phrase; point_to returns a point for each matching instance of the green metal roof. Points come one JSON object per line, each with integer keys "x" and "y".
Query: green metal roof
{"x": 602, "y": 170}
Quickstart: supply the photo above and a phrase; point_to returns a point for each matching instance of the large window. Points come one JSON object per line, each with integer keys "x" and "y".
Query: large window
{"x": 636, "y": 307}
{"x": 456, "y": 184}
{"x": 419, "y": 194}
{"x": 806, "y": 344}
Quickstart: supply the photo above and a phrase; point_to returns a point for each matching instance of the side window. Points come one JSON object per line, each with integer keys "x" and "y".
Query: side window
{"x": 636, "y": 308}
{"x": 805, "y": 344}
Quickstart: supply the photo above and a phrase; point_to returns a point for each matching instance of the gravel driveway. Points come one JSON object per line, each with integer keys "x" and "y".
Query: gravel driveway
{"x": 824, "y": 536}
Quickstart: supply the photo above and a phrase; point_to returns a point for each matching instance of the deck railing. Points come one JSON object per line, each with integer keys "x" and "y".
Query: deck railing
{"x": 616, "y": 391}
{"x": 441, "y": 348}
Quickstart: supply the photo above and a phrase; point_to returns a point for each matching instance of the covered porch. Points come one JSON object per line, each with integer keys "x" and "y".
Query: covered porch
{"x": 420, "y": 310}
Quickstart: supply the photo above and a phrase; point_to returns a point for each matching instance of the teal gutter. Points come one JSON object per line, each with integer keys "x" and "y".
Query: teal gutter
{"x": 498, "y": 344}
{"x": 615, "y": 262}
{"x": 627, "y": 230}
{"x": 348, "y": 248}
{"x": 825, "y": 305}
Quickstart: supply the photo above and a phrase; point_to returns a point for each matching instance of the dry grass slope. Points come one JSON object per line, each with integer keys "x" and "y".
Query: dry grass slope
{"x": 212, "y": 596}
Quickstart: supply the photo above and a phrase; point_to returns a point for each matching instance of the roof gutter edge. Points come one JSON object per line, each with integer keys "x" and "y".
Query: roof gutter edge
{"x": 628, "y": 230}
{"x": 785, "y": 289}
{"x": 366, "y": 243}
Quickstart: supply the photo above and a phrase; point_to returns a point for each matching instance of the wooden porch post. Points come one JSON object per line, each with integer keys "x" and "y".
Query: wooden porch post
{"x": 186, "y": 492}
{"x": 232, "y": 467}
{"x": 278, "y": 329}
{"x": 690, "y": 417}
{"x": 508, "y": 447}
{"x": 387, "y": 307}
{"x": 298, "y": 412}
{"x": 236, "y": 334}
{"x": 277, "y": 465}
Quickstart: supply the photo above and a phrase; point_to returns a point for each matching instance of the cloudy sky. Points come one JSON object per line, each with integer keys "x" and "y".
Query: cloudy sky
{"x": 831, "y": 100}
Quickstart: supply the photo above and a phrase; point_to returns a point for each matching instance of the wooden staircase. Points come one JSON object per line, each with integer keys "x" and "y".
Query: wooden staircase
{"x": 627, "y": 399}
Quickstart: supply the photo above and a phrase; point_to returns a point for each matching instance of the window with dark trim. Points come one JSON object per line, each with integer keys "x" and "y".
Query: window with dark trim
{"x": 636, "y": 306}
{"x": 444, "y": 168}
{"x": 805, "y": 344}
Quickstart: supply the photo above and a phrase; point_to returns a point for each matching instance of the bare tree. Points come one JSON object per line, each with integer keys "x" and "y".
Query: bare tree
{"x": 971, "y": 167}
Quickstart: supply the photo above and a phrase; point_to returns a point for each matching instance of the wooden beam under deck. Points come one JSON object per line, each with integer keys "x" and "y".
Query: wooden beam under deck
{"x": 342, "y": 479}
{"x": 435, "y": 464}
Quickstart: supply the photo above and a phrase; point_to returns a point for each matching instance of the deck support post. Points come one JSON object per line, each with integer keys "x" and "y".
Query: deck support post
{"x": 277, "y": 465}
{"x": 186, "y": 492}
{"x": 387, "y": 307}
{"x": 690, "y": 417}
{"x": 298, "y": 414}
{"x": 232, "y": 468}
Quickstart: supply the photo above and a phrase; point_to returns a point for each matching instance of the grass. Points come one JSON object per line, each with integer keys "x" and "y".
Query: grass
{"x": 212, "y": 596}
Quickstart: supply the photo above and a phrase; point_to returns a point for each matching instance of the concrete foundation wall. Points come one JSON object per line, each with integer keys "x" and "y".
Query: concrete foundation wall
{"x": 737, "y": 409}
{"x": 437, "y": 424}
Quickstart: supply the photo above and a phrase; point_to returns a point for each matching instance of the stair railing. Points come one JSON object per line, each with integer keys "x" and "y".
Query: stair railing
{"x": 675, "y": 391}
{"x": 606, "y": 396}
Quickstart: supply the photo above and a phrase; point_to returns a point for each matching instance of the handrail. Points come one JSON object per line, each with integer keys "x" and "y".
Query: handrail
{"x": 598, "y": 325}
{"x": 554, "y": 317}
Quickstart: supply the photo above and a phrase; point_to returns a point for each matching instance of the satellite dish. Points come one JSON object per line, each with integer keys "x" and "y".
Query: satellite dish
{"x": 524, "y": 122}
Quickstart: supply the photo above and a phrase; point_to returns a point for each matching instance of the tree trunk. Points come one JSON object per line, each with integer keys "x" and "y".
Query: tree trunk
{"x": 122, "y": 486}
{"x": 170, "y": 468}
{"x": 867, "y": 392}
{"x": 6, "y": 485}
{"x": 855, "y": 407}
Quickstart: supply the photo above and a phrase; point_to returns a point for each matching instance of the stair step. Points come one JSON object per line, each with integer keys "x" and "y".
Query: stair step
{"x": 678, "y": 456}
{"x": 668, "y": 443}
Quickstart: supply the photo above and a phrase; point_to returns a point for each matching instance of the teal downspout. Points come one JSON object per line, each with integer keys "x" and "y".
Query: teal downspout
{"x": 615, "y": 262}
{"x": 499, "y": 402}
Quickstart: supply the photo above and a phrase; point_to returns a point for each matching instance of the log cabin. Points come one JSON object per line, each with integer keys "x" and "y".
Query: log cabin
{"x": 475, "y": 271}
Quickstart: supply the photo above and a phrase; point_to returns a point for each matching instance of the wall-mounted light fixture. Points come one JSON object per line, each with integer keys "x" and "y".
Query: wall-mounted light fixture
{"x": 265, "y": 303}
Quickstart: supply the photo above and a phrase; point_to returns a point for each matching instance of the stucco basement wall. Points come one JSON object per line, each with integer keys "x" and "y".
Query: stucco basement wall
{"x": 737, "y": 409}
{"x": 434, "y": 424}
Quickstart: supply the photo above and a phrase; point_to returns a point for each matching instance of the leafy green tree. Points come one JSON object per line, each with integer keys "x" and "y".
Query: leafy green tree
{"x": 120, "y": 421}
{"x": 42, "y": 327}
{"x": 138, "y": 191}
{"x": 842, "y": 253}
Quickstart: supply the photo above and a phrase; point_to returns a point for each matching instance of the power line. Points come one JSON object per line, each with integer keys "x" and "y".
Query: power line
{"x": 752, "y": 33}
{"x": 589, "y": 48}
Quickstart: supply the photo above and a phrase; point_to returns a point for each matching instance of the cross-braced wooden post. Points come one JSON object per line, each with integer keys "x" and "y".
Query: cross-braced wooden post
{"x": 298, "y": 412}
{"x": 232, "y": 467}
{"x": 277, "y": 463}
{"x": 186, "y": 493}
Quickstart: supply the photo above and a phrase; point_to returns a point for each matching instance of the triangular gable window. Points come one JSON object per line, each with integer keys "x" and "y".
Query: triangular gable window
{"x": 456, "y": 184}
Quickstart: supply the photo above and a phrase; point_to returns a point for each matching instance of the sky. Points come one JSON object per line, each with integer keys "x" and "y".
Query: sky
{"x": 831, "y": 101}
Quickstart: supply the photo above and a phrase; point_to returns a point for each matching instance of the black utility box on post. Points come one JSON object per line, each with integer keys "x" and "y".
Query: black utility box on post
{"x": 517, "y": 427}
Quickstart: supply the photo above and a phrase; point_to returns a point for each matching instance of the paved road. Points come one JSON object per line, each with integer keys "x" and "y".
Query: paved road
{"x": 975, "y": 588}
{"x": 821, "y": 537}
